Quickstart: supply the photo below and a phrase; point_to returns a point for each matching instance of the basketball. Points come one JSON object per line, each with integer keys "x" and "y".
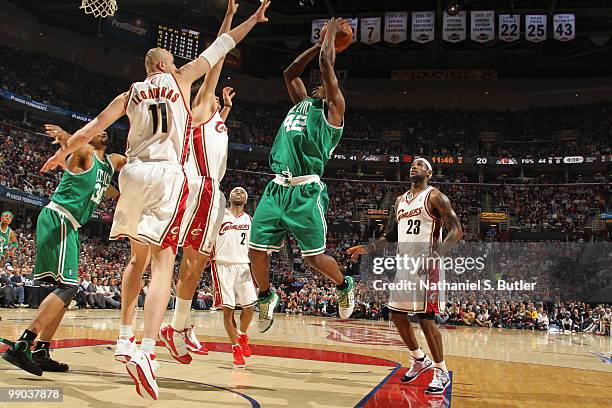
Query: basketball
{"x": 343, "y": 38}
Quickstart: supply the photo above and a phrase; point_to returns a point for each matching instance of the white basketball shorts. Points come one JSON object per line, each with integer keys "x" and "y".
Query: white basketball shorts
{"x": 233, "y": 285}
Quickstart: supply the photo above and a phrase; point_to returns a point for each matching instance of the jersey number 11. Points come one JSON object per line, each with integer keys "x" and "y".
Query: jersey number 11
{"x": 159, "y": 116}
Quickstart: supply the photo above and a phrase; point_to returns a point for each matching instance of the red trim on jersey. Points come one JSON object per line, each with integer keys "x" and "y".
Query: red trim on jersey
{"x": 218, "y": 299}
{"x": 209, "y": 119}
{"x": 433, "y": 301}
{"x": 182, "y": 96}
{"x": 427, "y": 208}
{"x": 198, "y": 228}
{"x": 186, "y": 139}
{"x": 169, "y": 238}
{"x": 408, "y": 201}
{"x": 129, "y": 97}
{"x": 199, "y": 149}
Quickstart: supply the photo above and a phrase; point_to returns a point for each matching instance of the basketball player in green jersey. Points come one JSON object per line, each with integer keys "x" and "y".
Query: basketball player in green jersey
{"x": 87, "y": 175}
{"x": 296, "y": 200}
{"x": 8, "y": 239}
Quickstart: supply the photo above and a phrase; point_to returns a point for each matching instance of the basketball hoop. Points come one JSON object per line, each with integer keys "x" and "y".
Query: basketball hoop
{"x": 99, "y": 8}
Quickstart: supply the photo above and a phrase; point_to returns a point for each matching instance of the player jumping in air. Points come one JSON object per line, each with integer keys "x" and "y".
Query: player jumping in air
{"x": 296, "y": 200}
{"x": 416, "y": 225}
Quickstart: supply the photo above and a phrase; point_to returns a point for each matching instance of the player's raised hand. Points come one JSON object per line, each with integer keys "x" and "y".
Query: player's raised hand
{"x": 228, "y": 95}
{"x": 55, "y": 161}
{"x": 59, "y": 134}
{"x": 260, "y": 14}
{"x": 232, "y": 7}
{"x": 355, "y": 251}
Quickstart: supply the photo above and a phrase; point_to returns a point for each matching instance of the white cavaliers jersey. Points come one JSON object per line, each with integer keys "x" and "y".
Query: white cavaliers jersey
{"x": 160, "y": 121}
{"x": 232, "y": 246}
{"x": 418, "y": 231}
{"x": 209, "y": 149}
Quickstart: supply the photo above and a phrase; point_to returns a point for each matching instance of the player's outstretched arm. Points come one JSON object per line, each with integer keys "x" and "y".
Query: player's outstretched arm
{"x": 295, "y": 85}
{"x": 206, "y": 93}
{"x": 441, "y": 205}
{"x": 327, "y": 60}
{"x": 381, "y": 243}
{"x": 83, "y": 136}
{"x": 81, "y": 159}
{"x": 220, "y": 47}
{"x": 228, "y": 95}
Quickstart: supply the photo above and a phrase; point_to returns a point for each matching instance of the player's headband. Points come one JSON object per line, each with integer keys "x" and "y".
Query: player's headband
{"x": 8, "y": 213}
{"x": 240, "y": 189}
{"x": 427, "y": 163}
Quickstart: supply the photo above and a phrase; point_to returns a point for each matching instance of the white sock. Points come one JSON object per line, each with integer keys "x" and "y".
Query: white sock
{"x": 181, "y": 314}
{"x": 417, "y": 354}
{"x": 235, "y": 345}
{"x": 239, "y": 332}
{"x": 148, "y": 346}
{"x": 126, "y": 332}
{"x": 441, "y": 365}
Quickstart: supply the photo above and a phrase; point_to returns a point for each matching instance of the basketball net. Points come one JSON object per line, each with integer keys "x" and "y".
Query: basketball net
{"x": 99, "y": 8}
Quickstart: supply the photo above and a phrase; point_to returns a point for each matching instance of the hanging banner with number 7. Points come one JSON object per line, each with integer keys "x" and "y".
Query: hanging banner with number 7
{"x": 509, "y": 27}
{"x": 370, "y": 30}
{"x": 535, "y": 27}
{"x": 564, "y": 27}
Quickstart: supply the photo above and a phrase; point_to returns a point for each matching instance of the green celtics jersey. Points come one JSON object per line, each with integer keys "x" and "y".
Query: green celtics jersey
{"x": 305, "y": 141}
{"x": 5, "y": 237}
{"x": 80, "y": 194}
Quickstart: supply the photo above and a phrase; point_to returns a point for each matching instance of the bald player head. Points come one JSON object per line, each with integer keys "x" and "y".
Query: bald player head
{"x": 159, "y": 60}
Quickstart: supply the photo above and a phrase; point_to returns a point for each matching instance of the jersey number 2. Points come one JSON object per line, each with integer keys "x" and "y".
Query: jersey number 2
{"x": 243, "y": 235}
{"x": 159, "y": 116}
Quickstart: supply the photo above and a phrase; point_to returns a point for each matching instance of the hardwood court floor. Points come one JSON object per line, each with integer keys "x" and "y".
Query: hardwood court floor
{"x": 318, "y": 362}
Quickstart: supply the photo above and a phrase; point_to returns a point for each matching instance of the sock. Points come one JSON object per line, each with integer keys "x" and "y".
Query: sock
{"x": 181, "y": 314}
{"x": 441, "y": 365}
{"x": 148, "y": 346}
{"x": 126, "y": 332}
{"x": 417, "y": 354}
{"x": 28, "y": 336}
{"x": 264, "y": 294}
{"x": 343, "y": 285}
{"x": 40, "y": 345}
{"x": 235, "y": 345}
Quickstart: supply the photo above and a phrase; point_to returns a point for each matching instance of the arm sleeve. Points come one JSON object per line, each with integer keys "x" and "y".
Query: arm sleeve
{"x": 391, "y": 232}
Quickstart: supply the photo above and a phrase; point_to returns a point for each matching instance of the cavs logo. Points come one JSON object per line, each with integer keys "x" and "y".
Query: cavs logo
{"x": 175, "y": 230}
{"x": 227, "y": 226}
{"x": 220, "y": 127}
{"x": 196, "y": 232}
{"x": 401, "y": 214}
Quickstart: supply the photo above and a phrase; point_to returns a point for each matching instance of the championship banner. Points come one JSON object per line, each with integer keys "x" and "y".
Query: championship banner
{"x": 564, "y": 27}
{"x": 353, "y": 22}
{"x": 493, "y": 216}
{"x": 423, "y": 24}
{"x": 317, "y": 26}
{"x": 509, "y": 27}
{"x": 396, "y": 27}
{"x": 453, "y": 27}
{"x": 370, "y": 30}
{"x": 535, "y": 27}
{"x": 483, "y": 26}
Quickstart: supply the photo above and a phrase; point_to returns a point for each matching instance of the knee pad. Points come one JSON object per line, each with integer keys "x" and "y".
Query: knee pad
{"x": 66, "y": 292}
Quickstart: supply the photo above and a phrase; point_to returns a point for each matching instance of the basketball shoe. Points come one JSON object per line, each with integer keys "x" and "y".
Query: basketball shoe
{"x": 142, "y": 367}
{"x": 346, "y": 298}
{"x": 238, "y": 356}
{"x": 125, "y": 349}
{"x": 193, "y": 344}
{"x": 266, "y": 311}
{"x": 20, "y": 356}
{"x": 175, "y": 343}
{"x": 416, "y": 368}
{"x": 441, "y": 379}
{"x": 42, "y": 358}
{"x": 243, "y": 340}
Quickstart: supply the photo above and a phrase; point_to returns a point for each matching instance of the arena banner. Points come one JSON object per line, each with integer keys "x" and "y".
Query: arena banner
{"x": 317, "y": 26}
{"x": 396, "y": 27}
{"x": 353, "y": 22}
{"x": 23, "y": 197}
{"x": 606, "y": 216}
{"x": 509, "y": 27}
{"x": 483, "y": 26}
{"x": 423, "y": 25}
{"x": 454, "y": 27}
{"x": 370, "y": 30}
{"x": 493, "y": 216}
{"x": 564, "y": 27}
{"x": 443, "y": 74}
{"x": 24, "y": 100}
{"x": 535, "y": 27}
{"x": 129, "y": 28}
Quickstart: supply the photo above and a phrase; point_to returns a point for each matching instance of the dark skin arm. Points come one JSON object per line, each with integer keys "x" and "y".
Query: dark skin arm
{"x": 441, "y": 206}
{"x": 327, "y": 60}
{"x": 295, "y": 85}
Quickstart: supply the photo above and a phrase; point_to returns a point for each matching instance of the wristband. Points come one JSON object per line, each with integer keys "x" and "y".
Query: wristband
{"x": 218, "y": 49}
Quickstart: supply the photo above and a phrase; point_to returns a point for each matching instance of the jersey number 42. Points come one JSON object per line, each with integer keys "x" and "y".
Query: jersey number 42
{"x": 295, "y": 122}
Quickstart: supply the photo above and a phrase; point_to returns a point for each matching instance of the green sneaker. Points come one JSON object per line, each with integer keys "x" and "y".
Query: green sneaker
{"x": 266, "y": 311}
{"x": 346, "y": 299}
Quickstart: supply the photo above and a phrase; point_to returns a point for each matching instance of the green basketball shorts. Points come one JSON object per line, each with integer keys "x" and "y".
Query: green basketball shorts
{"x": 57, "y": 248}
{"x": 298, "y": 209}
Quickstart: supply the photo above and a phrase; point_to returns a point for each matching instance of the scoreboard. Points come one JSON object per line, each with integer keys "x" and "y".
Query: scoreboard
{"x": 181, "y": 42}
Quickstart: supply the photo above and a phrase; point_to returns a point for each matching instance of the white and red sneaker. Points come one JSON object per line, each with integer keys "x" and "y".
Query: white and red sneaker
{"x": 175, "y": 343}
{"x": 142, "y": 367}
{"x": 243, "y": 340}
{"x": 238, "y": 356}
{"x": 125, "y": 349}
{"x": 193, "y": 344}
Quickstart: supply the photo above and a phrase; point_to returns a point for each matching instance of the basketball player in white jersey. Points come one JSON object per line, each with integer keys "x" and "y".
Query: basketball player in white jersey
{"x": 231, "y": 273}
{"x": 205, "y": 205}
{"x": 153, "y": 184}
{"x": 416, "y": 225}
